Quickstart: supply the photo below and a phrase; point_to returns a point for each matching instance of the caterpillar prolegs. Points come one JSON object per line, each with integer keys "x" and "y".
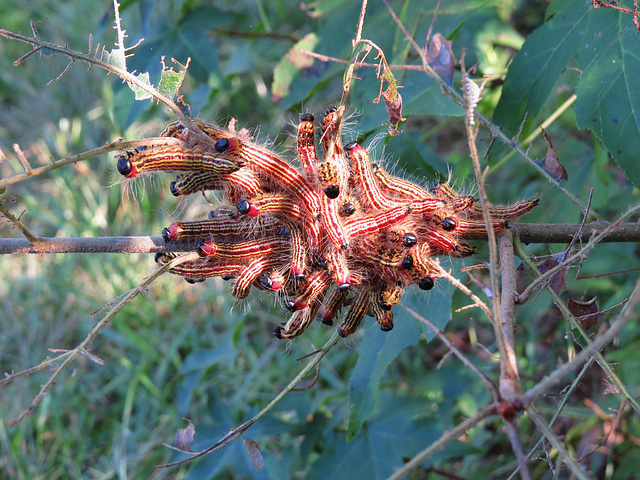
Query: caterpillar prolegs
{"x": 337, "y": 234}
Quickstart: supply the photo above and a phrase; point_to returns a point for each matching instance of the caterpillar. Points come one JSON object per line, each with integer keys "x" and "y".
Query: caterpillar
{"x": 329, "y": 233}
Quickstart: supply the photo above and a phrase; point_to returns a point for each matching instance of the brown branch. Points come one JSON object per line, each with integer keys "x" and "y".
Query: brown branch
{"x": 532, "y": 232}
{"x": 93, "y": 245}
{"x": 510, "y": 387}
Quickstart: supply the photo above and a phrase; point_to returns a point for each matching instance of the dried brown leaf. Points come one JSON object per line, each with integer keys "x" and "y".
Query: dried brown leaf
{"x": 551, "y": 163}
{"x": 440, "y": 57}
{"x": 184, "y": 437}
{"x": 393, "y": 103}
{"x": 557, "y": 281}
{"x": 254, "y": 453}
{"x": 584, "y": 312}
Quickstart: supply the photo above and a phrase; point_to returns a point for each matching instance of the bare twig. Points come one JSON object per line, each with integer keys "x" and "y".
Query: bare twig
{"x": 576, "y": 256}
{"x": 534, "y": 233}
{"x": 44, "y": 364}
{"x": 512, "y": 433}
{"x": 93, "y": 245}
{"x": 117, "y": 145}
{"x": 95, "y": 331}
{"x": 510, "y": 387}
{"x": 566, "y": 395}
{"x": 456, "y": 351}
{"x": 39, "y": 44}
{"x": 239, "y": 430}
{"x": 594, "y": 346}
{"x": 446, "y": 437}
{"x": 31, "y": 238}
{"x": 556, "y": 443}
{"x": 463, "y": 288}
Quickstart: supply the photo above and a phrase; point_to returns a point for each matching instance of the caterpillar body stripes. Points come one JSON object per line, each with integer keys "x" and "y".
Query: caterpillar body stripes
{"x": 333, "y": 233}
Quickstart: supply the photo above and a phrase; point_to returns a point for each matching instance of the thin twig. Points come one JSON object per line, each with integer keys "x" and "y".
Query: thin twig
{"x": 594, "y": 346}
{"x": 606, "y": 367}
{"x": 30, "y": 237}
{"x": 446, "y": 437}
{"x": 512, "y": 433}
{"x": 363, "y": 11}
{"x": 456, "y": 351}
{"x": 566, "y": 395}
{"x": 95, "y": 331}
{"x": 38, "y": 44}
{"x": 116, "y": 145}
{"x": 556, "y": 443}
{"x": 577, "y": 256}
{"x": 22, "y": 158}
{"x": 234, "y": 433}
{"x": 463, "y": 288}
{"x": 44, "y": 364}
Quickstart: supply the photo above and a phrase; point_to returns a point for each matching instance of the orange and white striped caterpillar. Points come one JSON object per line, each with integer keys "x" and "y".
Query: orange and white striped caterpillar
{"x": 335, "y": 232}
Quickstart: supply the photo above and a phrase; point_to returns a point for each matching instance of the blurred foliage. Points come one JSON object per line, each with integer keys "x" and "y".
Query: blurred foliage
{"x": 191, "y": 350}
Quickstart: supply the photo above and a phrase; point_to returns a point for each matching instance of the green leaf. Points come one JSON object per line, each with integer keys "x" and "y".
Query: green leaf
{"x": 435, "y": 306}
{"x": 537, "y": 66}
{"x": 170, "y": 80}
{"x": 386, "y": 440}
{"x": 291, "y": 64}
{"x": 609, "y": 88}
{"x": 140, "y": 93}
{"x": 115, "y": 57}
{"x": 377, "y": 350}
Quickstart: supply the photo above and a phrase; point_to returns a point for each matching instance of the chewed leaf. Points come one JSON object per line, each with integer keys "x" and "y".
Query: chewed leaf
{"x": 170, "y": 80}
{"x": 141, "y": 94}
{"x": 115, "y": 57}
{"x": 558, "y": 280}
{"x": 585, "y": 312}
{"x": 291, "y": 64}
{"x": 184, "y": 437}
{"x": 394, "y": 109}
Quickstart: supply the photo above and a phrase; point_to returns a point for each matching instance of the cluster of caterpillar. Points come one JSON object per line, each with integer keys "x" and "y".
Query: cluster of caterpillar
{"x": 337, "y": 232}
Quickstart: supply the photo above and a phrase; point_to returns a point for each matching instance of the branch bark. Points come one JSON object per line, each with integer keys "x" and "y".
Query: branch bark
{"x": 526, "y": 232}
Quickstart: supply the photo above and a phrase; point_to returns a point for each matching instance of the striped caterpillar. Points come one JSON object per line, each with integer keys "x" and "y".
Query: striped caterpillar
{"x": 336, "y": 233}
